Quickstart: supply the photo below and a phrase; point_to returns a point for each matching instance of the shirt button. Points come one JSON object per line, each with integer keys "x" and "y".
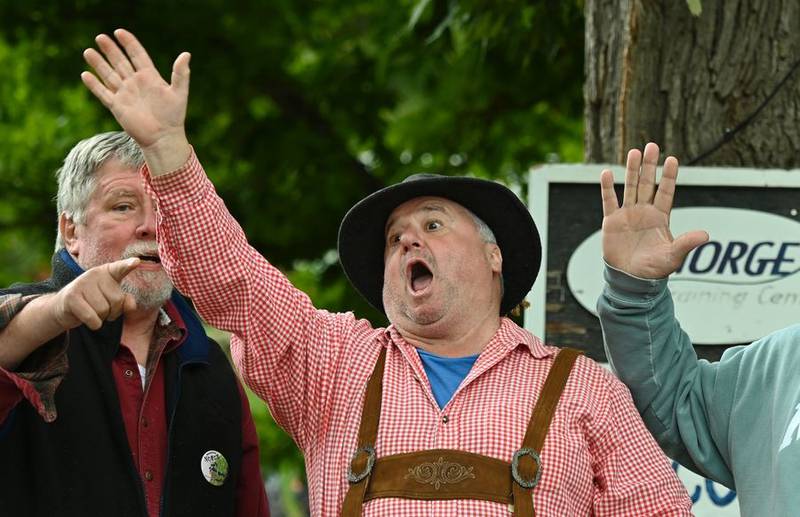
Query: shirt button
{"x": 148, "y": 475}
{"x": 445, "y": 419}
{"x": 128, "y": 373}
{"x": 145, "y": 423}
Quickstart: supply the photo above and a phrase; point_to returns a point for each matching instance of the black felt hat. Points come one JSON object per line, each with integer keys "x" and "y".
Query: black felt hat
{"x": 362, "y": 239}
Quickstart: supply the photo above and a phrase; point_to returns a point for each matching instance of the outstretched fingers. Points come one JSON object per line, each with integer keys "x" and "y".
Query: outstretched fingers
{"x": 666, "y": 186}
{"x": 633, "y": 164}
{"x": 686, "y": 242}
{"x": 647, "y": 178}
{"x": 180, "y": 74}
{"x": 104, "y": 71}
{"x": 138, "y": 55}
{"x": 98, "y": 89}
{"x": 610, "y": 202}
{"x": 115, "y": 56}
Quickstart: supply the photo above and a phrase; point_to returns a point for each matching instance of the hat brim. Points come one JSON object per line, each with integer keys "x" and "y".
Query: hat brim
{"x": 362, "y": 239}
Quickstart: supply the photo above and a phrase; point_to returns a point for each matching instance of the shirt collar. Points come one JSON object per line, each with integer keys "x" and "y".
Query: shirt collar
{"x": 170, "y": 314}
{"x": 163, "y": 317}
{"x": 508, "y": 337}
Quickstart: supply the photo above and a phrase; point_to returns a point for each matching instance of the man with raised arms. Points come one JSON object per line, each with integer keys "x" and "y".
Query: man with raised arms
{"x": 451, "y": 410}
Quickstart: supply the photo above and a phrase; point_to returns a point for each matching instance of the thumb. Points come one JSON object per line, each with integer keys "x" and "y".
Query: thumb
{"x": 129, "y": 305}
{"x": 119, "y": 269}
{"x": 687, "y": 242}
{"x": 180, "y": 73}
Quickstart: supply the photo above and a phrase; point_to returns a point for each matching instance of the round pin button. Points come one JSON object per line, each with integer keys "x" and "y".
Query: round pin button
{"x": 214, "y": 467}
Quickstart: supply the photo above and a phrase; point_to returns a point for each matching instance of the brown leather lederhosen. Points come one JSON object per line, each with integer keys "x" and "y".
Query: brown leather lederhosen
{"x": 438, "y": 474}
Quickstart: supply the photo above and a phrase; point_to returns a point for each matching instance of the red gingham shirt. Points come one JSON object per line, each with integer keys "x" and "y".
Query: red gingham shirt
{"x": 312, "y": 366}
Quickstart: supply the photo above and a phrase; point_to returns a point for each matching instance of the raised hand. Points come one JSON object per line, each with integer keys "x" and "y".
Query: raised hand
{"x": 148, "y": 108}
{"x": 95, "y": 296}
{"x": 636, "y": 236}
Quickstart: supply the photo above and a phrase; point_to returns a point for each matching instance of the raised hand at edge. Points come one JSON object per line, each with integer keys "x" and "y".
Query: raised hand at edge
{"x": 636, "y": 235}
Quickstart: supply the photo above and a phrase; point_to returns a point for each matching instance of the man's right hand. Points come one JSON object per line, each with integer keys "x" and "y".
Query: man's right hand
{"x": 636, "y": 236}
{"x": 148, "y": 108}
{"x": 95, "y": 296}
{"x": 92, "y": 298}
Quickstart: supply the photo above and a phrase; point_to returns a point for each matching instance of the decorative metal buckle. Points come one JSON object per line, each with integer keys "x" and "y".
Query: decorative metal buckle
{"x": 526, "y": 483}
{"x": 352, "y": 476}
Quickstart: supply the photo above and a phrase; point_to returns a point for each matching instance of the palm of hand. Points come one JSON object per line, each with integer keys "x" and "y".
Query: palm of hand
{"x": 636, "y": 235}
{"x": 147, "y": 107}
{"x": 637, "y": 240}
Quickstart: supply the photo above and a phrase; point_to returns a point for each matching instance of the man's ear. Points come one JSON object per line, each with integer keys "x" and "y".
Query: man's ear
{"x": 495, "y": 257}
{"x": 67, "y": 228}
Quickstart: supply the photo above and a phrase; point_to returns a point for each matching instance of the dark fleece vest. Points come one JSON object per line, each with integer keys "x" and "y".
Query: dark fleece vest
{"x": 81, "y": 464}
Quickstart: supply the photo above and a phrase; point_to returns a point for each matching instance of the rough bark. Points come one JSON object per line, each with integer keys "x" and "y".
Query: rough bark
{"x": 656, "y": 72}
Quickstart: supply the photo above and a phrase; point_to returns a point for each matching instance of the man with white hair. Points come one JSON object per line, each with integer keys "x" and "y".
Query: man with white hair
{"x": 112, "y": 399}
{"x": 451, "y": 410}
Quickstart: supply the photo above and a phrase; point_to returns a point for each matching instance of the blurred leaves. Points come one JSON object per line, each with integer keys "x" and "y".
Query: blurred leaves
{"x": 695, "y": 7}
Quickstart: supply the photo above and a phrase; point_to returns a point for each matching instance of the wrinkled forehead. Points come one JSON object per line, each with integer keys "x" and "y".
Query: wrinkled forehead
{"x": 424, "y": 204}
{"x": 113, "y": 175}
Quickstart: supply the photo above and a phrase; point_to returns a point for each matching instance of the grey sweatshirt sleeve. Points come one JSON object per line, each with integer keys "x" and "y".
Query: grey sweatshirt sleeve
{"x": 685, "y": 402}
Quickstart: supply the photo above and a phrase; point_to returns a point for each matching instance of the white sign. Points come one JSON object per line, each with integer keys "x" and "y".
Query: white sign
{"x": 751, "y": 252}
{"x": 739, "y": 286}
{"x": 767, "y": 275}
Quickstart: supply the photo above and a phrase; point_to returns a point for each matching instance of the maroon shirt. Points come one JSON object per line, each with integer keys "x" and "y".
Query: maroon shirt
{"x": 143, "y": 410}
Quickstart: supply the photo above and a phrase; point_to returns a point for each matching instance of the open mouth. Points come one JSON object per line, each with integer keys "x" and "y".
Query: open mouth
{"x": 420, "y": 277}
{"x": 150, "y": 258}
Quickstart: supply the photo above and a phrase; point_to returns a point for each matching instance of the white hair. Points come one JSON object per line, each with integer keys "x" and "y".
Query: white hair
{"x": 76, "y": 178}
{"x": 486, "y": 233}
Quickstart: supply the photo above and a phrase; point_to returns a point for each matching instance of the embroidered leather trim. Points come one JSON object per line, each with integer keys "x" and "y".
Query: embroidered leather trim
{"x": 439, "y": 473}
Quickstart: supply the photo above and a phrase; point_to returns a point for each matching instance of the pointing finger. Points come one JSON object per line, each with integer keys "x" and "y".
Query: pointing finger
{"x": 119, "y": 269}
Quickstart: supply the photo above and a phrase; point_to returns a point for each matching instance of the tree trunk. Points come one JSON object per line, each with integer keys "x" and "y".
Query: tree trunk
{"x": 655, "y": 72}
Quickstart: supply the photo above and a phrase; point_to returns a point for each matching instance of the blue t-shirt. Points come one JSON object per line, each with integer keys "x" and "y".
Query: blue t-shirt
{"x": 445, "y": 373}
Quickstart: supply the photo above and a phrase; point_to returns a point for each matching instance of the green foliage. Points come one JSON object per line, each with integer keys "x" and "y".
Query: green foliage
{"x": 298, "y": 109}
{"x": 39, "y": 122}
{"x": 278, "y": 451}
{"x": 695, "y": 7}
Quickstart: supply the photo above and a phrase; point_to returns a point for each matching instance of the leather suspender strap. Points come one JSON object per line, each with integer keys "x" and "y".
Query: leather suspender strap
{"x": 526, "y": 467}
{"x": 440, "y": 474}
{"x": 364, "y": 458}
